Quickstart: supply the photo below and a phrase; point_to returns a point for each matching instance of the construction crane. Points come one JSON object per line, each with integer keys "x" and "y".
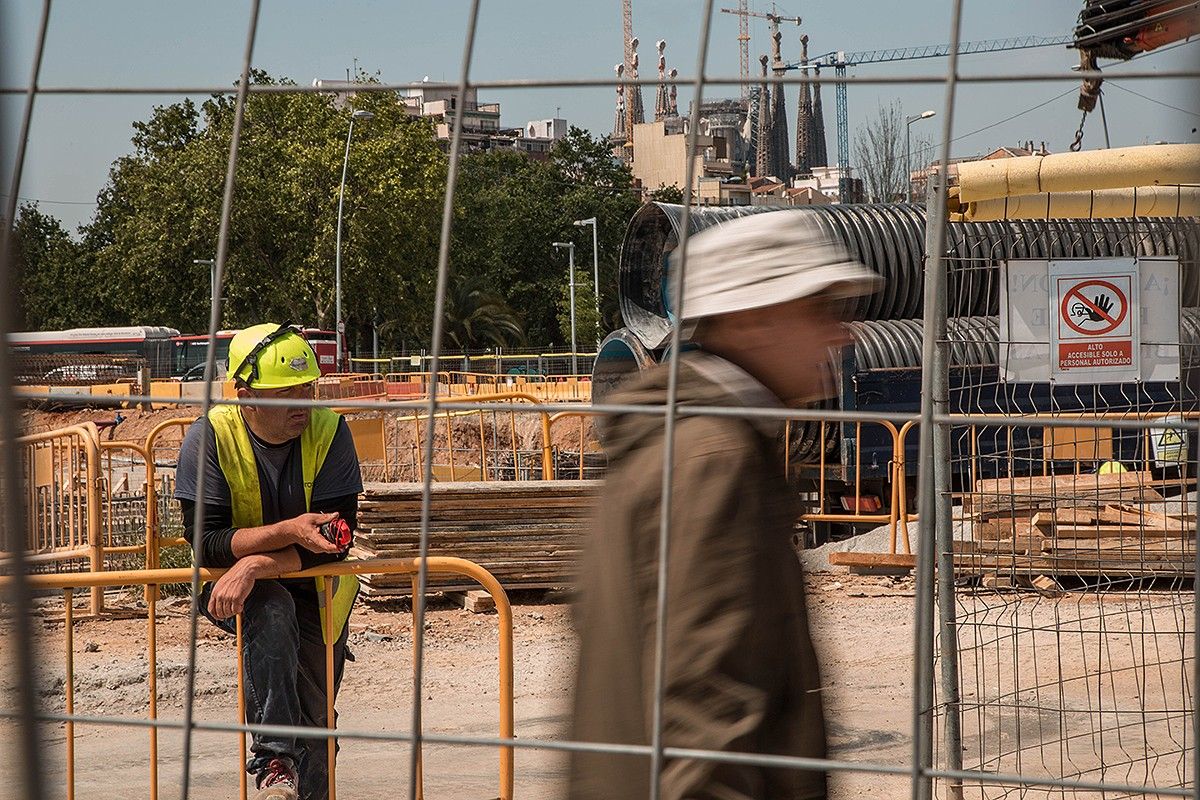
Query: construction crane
{"x": 840, "y": 60}
{"x": 744, "y": 14}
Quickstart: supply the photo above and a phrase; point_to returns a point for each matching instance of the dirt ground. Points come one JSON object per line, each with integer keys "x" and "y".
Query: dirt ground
{"x": 861, "y": 626}
{"x": 863, "y": 631}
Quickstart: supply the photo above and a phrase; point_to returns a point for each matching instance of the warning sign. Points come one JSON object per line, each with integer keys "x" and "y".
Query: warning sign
{"x": 1095, "y": 335}
{"x": 1082, "y": 321}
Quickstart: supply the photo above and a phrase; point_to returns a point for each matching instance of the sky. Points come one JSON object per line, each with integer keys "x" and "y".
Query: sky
{"x": 74, "y": 139}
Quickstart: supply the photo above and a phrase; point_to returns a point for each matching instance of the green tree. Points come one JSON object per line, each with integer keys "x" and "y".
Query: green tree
{"x": 162, "y": 207}
{"x": 160, "y": 210}
{"x": 58, "y": 287}
{"x": 510, "y": 209}
{"x": 667, "y": 194}
{"x": 475, "y": 318}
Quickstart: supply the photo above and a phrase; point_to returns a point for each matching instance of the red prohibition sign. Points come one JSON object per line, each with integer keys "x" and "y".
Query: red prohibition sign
{"x": 1076, "y": 293}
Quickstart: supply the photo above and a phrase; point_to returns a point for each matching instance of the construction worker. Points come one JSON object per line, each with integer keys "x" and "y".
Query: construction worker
{"x": 274, "y": 475}
{"x": 762, "y": 302}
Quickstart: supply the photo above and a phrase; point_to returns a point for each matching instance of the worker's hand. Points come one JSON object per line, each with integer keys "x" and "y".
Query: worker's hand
{"x": 306, "y": 532}
{"x": 230, "y": 591}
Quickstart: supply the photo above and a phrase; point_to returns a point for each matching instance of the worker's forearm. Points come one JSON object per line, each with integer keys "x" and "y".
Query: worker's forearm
{"x": 263, "y": 539}
{"x": 272, "y": 564}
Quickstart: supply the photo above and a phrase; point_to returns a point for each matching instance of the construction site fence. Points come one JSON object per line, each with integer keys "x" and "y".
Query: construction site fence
{"x": 505, "y": 362}
{"x": 564, "y": 388}
{"x": 153, "y": 579}
{"x": 95, "y": 505}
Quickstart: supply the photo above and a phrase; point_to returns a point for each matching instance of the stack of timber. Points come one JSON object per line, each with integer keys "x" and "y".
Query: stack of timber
{"x": 1090, "y": 526}
{"x": 528, "y": 534}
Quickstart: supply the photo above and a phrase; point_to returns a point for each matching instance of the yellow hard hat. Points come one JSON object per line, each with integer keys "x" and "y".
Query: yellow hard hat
{"x": 270, "y": 356}
{"x": 1112, "y": 468}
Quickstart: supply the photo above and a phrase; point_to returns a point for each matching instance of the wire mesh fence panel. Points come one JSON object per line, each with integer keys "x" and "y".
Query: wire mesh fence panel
{"x": 1073, "y": 533}
{"x": 1065, "y": 564}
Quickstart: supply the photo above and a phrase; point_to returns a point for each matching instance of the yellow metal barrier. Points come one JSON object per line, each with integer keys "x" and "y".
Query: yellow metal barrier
{"x": 448, "y": 415}
{"x": 63, "y": 499}
{"x": 152, "y": 578}
{"x": 583, "y": 441}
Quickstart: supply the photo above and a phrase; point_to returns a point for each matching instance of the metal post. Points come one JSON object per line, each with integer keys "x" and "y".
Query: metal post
{"x": 943, "y": 517}
{"x": 933, "y": 466}
{"x": 337, "y": 254}
{"x": 596, "y": 274}
{"x": 908, "y": 121}
{"x": 571, "y": 284}
{"x": 212, "y": 276}
{"x": 908, "y": 163}
{"x": 375, "y": 340}
{"x": 339, "y": 334}
{"x": 595, "y": 268}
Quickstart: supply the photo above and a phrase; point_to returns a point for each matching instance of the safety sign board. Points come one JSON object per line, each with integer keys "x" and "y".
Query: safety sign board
{"x": 1090, "y": 320}
{"x": 1170, "y": 445}
{"x": 1095, "y": 337}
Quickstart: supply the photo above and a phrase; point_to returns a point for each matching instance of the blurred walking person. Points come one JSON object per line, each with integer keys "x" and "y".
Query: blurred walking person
{"x": 762, "y": 309}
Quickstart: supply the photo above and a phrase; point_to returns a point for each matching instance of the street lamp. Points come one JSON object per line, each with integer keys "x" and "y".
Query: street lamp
{"x": 365, "y": 116}
{"x": 571, "y": 282}
{"x": 211, "y": 263}
{"x": 907, "y": 154}
{"x": 579, "y": 223}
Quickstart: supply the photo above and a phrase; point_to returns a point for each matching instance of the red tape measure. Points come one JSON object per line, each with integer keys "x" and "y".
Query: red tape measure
{"x": 338, "y": 532}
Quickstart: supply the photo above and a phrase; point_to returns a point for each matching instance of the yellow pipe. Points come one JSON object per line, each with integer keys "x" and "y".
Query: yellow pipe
{"x": 330, "y": 722}
{"x": 69, "y": 643}
{"x": 243, "y": 786}
{"x": 1120, "y": 167}
{"x": 1138, "y": 201}
{"x": 152, "y": 681}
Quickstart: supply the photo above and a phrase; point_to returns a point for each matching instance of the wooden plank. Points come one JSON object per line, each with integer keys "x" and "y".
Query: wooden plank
{"x": 893, "y": 560}
{"x": 1119, "y": 532}
{"x": 1003, "y": 528}
{"x": 1064, "y": 516}
{"x": 987, "y": 505}
{"x": 1078, "y": 444}
{"x": 477, "y": 601}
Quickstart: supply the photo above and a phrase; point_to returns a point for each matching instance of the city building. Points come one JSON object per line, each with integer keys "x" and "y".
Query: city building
{"x": 660, "y": 158}
{"x": 827, "y": 181}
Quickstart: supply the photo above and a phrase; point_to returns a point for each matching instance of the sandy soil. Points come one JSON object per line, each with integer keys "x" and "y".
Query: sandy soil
{"x": 861, "y": 626}
{"x": 863, "y": 631}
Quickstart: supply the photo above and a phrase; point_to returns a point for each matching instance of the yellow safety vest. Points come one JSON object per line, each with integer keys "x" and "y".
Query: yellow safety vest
{"x": 236, "y": 458}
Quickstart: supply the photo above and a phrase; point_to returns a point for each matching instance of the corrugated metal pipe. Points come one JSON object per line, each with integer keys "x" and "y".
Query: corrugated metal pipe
{"x": 889, "y": 238}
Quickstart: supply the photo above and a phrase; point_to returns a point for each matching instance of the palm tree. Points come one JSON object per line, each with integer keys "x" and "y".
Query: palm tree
{"x": 475, "y": 318}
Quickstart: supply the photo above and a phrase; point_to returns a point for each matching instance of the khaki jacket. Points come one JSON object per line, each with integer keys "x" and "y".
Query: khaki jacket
{"x": 741, "y": 674}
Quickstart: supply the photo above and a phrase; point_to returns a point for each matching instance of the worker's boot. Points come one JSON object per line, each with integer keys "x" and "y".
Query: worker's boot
{"x": 277, "y": 782}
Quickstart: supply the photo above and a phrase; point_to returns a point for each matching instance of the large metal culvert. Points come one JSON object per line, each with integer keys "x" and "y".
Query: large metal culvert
{"x": 621, "y": 357}
{"x": 974, "y": 342}
{"x": 890, "y": 239}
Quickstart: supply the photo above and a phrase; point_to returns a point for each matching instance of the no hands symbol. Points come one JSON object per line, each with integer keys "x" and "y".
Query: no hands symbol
{"x": 1094, "y": 307}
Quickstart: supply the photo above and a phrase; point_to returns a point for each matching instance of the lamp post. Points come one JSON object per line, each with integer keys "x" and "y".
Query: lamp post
{"x": 211, "y": 263}
{"x": 908, "y": 154}
{"x": 571, "y": 283}
{"x": 579, "y": 223}
{"x": 365, "y": 116}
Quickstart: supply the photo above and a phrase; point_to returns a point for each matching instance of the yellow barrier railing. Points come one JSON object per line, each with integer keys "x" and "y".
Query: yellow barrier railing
{"x": 152, "y": 578}
{"x": 63, "y": 499}
{"x": 583, "y": 440}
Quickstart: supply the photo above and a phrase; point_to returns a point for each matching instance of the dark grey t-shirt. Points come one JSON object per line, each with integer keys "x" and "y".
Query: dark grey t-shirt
{"x": 280, "y": 472}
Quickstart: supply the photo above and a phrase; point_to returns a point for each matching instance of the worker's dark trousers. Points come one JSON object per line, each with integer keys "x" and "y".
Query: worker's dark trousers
{"x": 283, "y": 656}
